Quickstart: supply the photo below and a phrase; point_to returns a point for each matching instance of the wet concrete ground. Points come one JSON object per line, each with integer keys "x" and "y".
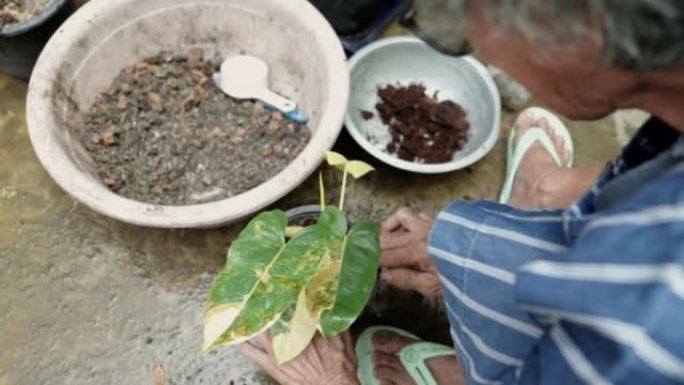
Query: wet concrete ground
{"x": 87, "y": 300}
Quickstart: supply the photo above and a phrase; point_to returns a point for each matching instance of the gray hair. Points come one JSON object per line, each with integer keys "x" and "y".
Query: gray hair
{"x": 637, "y": 34}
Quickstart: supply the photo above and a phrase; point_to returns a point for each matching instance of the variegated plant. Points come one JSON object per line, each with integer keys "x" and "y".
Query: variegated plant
{"x": 295, "y": 281}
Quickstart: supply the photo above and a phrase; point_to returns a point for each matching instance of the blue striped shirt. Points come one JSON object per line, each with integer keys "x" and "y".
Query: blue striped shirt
{"x": 593, "y": 294}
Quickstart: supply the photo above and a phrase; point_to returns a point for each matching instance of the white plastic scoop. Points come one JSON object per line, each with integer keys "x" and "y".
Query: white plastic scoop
{"x": 246, "y": 77}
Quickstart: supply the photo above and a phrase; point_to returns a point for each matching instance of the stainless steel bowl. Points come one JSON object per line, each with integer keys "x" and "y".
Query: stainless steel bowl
{"x": 406, "y": 60}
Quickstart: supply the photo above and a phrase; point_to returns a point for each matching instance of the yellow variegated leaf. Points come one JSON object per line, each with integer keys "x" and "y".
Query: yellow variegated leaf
{"x": 262, "y": 278}
{"x": 293, "y": 332}
{"x": 358, "y": 169}
{"x": 336, "y": 160}
{"x": 215, "y": 321}
{"x": 321, "y": 290}
{"x": 262, "y": 241}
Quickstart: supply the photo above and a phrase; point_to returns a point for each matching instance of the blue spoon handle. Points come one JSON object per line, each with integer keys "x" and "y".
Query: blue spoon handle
{"x": 296, "y": 115}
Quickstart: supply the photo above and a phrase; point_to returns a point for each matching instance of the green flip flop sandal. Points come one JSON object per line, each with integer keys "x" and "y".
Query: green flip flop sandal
{"x": 515, "y": 155}
{"x": 413, "y": 356}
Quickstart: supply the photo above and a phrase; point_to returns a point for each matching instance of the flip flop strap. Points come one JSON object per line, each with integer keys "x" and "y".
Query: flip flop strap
{"x": 529, "y": 138}
{"x": 414, "y": 356}
{"x": 509, "y": 149}
{"x": 558, "y": 127}
{"x": 364, "y": 351}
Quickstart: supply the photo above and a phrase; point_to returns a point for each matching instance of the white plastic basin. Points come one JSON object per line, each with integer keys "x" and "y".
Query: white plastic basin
{"x": 306, "y": 59}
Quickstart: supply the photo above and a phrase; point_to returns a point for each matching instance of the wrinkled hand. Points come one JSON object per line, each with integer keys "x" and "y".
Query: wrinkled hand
{"x": 324, "y": 362}
{"x": 405, "y": 261}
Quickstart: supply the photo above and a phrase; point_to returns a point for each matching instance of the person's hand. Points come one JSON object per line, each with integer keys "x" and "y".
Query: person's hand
{"x": 324, "y": 362}
{"x": 405, "y": 261}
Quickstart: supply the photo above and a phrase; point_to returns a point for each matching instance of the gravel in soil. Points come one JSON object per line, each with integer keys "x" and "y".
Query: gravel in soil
{"x": 165, "y": 134}
{"x": 14, "y": 11}
{"x": 423, "y": 129}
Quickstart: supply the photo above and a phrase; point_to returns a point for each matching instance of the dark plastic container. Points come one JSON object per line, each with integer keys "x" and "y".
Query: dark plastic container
{"x": 21, "y": 43}
{"x": 360, "y": 22}
{"x": 298, "y": 214}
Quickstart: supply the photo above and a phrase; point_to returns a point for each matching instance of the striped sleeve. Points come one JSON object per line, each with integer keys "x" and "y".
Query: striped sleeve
{"x": 616, "y": 298}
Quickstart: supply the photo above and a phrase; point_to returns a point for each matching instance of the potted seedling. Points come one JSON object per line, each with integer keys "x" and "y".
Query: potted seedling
{"x": 25, "y": 27}
{"x": 298, "y": 280}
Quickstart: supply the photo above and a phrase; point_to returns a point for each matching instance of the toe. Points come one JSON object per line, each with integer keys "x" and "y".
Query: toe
{"x": 389, "y": 342}
{"x": 386, "y": 359}
{"x": 557, "y": 140}
{"x": 384, "y": 373}
{"x": 387, "y": 366}
{"x": 560, "y": 145}
{"x": 389, "y": 376}
{"x": 544, "y": 123}
{"x": 563, "y": 153}
{"x": 524, "y": 121}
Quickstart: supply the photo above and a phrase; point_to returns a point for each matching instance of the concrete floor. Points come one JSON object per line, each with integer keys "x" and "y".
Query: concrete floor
{"x": 87, "y": 300}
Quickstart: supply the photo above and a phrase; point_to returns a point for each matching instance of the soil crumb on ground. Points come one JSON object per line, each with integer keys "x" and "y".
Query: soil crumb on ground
{"x": 15, "y": 11}
{"x": 422, "y": 128}
{"x": 165, "y": 134}
{"x": 367, "y": 115}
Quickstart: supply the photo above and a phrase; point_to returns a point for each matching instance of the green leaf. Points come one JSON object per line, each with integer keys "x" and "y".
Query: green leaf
{"x": 258, "y": 244}
{"x": 320, "y": 292}
{"x": 260, "y": 292}
{"x": 293, "y": 331}
{"x": 343, "y": 286}
{"x": 359, "y": 169}
{"x": 335, "y": 220}
{"x": 336, "y": 160}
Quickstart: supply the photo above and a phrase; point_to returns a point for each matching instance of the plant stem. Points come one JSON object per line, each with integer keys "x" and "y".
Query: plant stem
{"x": 344, "y": 189}
{"x": 322, "y": 190}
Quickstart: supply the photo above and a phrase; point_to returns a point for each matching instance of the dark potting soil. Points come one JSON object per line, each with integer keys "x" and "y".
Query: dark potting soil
{"x": 305, "y": 220}
{"x": 423, "y": 129}
{"x": 165, "y": 134}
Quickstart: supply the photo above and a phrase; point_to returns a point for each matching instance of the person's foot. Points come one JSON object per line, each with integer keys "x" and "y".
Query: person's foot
{"x": 534, "y": 184}
{"x": 389, "y": 370}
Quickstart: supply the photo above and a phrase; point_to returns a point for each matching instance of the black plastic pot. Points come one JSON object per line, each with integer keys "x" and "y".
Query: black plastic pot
{"x": 21, "y": 43}
{"x": 298, "y": 214}
{"x": 359, "y": 22}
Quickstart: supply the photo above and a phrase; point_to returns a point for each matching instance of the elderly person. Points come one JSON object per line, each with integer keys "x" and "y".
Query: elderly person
{"x": 536, "y": 292}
